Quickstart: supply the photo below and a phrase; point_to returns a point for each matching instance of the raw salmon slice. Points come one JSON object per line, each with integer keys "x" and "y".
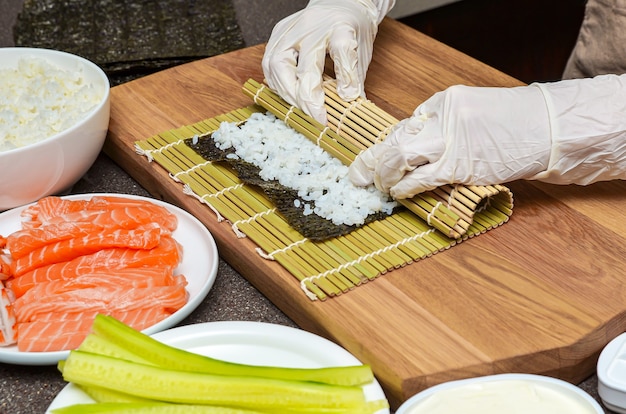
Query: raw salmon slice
{"x": 104, "y": 300}
{"x": 80, "y": 223}
{"x": 142, "y": 318}
{"x": 134, "y": 207}
{"x": 57, "y": 331}
{"x": 44, "y": 336}
{"x": 64, "y": 250}
{"x": 22, "y": 242}
{"x": 171, "y": 298}
{"x": 167, "y": 254}
{"x": 127, "y": 217}
{"x": 66, "y": 316}
{"x": 128, "y": 278}
{"x": 48, "y": 207}
{"x": 6, "y": 268}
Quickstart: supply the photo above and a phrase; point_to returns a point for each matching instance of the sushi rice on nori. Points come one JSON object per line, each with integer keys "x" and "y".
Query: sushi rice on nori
{"x": 314, "y": 183}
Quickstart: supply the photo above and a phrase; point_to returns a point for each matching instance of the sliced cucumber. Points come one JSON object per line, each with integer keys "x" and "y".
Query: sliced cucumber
{"x": 147, "y": 408}
{"x": 97, "y": 344}
{"x": 157, "y": 353}
{"x": 92, "y": 370}
{"x": 105, "y": 395}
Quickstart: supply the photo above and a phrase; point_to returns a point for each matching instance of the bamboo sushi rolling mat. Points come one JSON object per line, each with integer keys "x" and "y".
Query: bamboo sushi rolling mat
{"x": 432, "y": 222}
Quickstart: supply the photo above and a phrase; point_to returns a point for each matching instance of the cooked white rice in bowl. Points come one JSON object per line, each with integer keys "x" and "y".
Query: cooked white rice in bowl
{"x": 38, "y": 100}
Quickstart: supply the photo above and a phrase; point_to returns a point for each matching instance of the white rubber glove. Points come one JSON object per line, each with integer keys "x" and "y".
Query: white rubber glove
{"x": 563, "y": 132}
{"x": 295, "y": 54}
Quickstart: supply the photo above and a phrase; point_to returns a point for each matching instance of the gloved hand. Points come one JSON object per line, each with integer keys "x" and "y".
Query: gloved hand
{"x": 295, "y": 55}
{"x": 563, "y": 132}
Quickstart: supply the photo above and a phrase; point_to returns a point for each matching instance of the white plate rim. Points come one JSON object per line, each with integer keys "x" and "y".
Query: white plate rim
{"x": 186, "y": 221}
{"x": 249, "y": 334}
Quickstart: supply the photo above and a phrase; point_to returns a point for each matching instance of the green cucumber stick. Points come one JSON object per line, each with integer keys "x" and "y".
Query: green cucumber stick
{"x": 97, "y": 344}
{"x": 170, "y": 357}
{"x": 147, "y": 408}
{"x": 92, "y": 370}
{"x": 105, "y": 395}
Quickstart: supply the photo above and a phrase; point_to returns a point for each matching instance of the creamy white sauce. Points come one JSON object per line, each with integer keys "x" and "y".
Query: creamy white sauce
{"x": 497, "y": 397}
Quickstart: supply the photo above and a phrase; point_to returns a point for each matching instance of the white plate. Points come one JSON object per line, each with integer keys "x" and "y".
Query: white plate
{"x": 250, "y": 343}
{"x": 199, "y": 265}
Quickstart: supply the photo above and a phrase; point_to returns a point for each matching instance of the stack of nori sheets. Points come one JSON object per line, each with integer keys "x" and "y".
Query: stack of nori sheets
{"x": 129, "y": 39}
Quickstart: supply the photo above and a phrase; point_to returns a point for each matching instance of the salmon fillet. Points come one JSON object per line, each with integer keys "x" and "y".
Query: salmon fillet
{"x": 104, "y": 300}
{"x": 53, "y": 209}
{"x": 58, "y": 332}
{"x": 167, "y": 255}
{"x": 45, "y": 336}
{"x": 74, "y": 259}
{"x": 128, "y": 278}
{"x": 48, "y": 207}
{"x": 146, "y": 237}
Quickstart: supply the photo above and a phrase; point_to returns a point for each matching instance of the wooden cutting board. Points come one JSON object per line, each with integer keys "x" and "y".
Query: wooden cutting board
{"x": 541, "y": 294}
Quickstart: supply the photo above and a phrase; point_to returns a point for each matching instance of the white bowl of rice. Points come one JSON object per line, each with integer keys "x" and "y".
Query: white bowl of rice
{"x": 54, "y": 117}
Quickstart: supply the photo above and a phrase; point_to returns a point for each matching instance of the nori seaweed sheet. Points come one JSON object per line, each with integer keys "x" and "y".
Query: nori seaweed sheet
{"x": 130, "y": 39}
{"x": 311, "y": 226}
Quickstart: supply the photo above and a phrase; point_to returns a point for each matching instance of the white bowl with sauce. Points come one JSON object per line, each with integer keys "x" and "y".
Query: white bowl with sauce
{"x": 54, "y": 116}
{"x": 612, "y": 374}
{"x": 503, "y": 393}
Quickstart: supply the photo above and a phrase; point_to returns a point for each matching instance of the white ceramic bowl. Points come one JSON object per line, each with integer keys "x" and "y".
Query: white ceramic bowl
{"x": 612, "y": 374}
{"x": 55, "y": 163}
{"x": 502, "y": 393}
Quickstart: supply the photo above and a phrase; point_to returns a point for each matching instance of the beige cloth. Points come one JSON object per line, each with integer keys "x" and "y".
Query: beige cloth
{"x": 601, "y": 44}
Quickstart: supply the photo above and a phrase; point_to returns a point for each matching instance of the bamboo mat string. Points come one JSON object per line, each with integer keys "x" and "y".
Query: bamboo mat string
{"x": 235, "y": 225}
{"x": 383, "y": 134}
{"x": 271, "y": 256}
{"x": 289, "y": 112}
{"x": 187, "y": 190}
{"x": 148, "y": 153}
{"x": 175, "y": 176}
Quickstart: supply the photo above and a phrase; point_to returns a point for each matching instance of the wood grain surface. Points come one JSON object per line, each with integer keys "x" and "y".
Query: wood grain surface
{"x": 541, "y": 294}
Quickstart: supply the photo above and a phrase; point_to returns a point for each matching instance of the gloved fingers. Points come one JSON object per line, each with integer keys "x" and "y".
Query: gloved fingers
{"x": 414, "y": 142}
{"x": 362, "y": 169}
{"x": 280, "y": 71}
{"x": 419, "y": 180}
{"x": 293, "y": 64}
{"x": 343, "y": 50}
{"x": 391, "y": 166}
{"x": 410, "y": 144}
{"x": 280, "y": 59}
{"x": 309, "y": 90}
